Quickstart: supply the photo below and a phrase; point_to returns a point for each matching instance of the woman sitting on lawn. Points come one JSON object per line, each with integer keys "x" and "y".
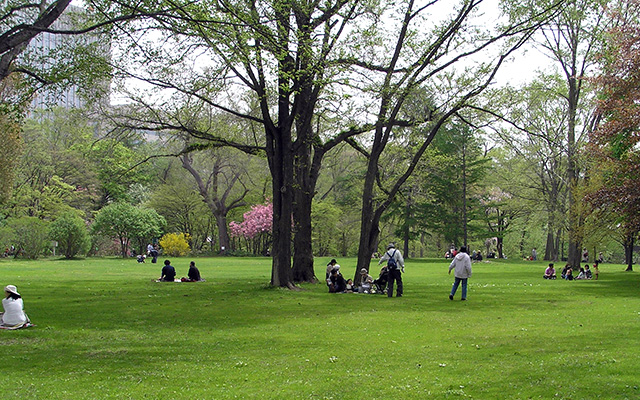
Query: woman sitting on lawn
{"x": 13, "y": 316}
{"x": 582, "y": 274}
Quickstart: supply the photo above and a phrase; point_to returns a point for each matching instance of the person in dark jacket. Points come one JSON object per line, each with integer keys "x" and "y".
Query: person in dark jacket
{"x": 168, "y": 272}
{"x": 194, "y": 273}
{"x": 337, "y": 283}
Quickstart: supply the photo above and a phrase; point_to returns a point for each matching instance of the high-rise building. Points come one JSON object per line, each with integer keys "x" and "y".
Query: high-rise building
{"x": 47, "y": 50}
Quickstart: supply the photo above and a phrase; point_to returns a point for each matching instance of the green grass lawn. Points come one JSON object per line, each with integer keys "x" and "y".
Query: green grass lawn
{"x": 106, "y": 331}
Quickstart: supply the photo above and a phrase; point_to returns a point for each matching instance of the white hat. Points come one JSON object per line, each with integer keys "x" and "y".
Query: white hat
{"x": 391, "y": 246}
{"x": 11, "y": 289}
{"x": 363, "y": 271}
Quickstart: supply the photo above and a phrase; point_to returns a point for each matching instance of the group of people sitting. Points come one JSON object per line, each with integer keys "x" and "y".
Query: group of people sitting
{"x": 475, "y": 255}
{"x": 168, "y": 273}
{"x": 567, "y": 272}
{"x": 364, "y": 284}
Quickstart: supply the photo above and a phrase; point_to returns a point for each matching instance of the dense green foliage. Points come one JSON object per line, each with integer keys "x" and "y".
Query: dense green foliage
{"x": 104, "y": 328}
{"x": 70, "y": 231}
{"x": 128, "y": 224}
{"x": 29, "y": 235}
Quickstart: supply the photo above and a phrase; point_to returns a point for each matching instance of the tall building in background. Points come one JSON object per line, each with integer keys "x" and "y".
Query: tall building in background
{"x": 42, "y": 53}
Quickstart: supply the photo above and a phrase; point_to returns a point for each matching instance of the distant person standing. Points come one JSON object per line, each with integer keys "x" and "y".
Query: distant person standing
{"x": 534, "y": 255}
{"x": 395, "y": 266}
{"x": 154, "y": 254}
{"x": 462, "y": 266}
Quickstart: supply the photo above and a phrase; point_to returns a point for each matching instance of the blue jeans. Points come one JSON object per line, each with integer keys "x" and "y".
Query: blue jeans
{"x": 464, "y": 287}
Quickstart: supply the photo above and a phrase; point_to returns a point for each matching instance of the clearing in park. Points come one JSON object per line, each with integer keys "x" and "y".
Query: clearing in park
{"x": 104, "y": 330}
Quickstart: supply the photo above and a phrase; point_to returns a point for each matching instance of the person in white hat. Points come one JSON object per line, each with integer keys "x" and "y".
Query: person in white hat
{"x": 13, "y": 315}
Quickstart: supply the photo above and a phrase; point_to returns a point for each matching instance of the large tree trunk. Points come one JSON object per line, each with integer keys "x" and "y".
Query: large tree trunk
{"x": 369, "y": 225}
{"x": 628, "y": 251}
{"x": 549, "y": 249}
{"x": 303, "y": 252}
{"x": 223, "y": 230}
{"x": 406, "y": 234}
{"x": 280, "y": 163}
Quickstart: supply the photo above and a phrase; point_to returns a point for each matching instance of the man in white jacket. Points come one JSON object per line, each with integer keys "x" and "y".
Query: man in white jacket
{"x": 462, "y": 265}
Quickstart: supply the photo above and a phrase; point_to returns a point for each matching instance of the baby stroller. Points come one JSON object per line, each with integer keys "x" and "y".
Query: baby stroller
{"x": 381, "y": 282}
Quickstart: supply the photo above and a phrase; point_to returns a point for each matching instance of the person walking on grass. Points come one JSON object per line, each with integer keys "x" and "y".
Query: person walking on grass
{"x": 462, "y": 266}
{"x": 395, "y": 265}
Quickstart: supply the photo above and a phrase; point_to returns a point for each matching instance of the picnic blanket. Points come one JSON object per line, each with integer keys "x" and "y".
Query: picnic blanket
{"x": 20, "y": 326}
{"x": 27, "y": 324}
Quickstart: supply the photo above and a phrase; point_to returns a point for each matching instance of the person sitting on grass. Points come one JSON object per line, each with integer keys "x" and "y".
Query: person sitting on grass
{"x": 332, "y": 264}
{"x": 550, "y": 272}
{"x": 350, "y": 286}
{"x": 13, "y": 316}
{"x": 581, "y": 275}
{"x": 564, "y": 271}
{"x": 587, "y": 272}
{"x": 193, "y": 275}
{"x": 168, "y": 272}
{"x": 365, "y": 282}
{"x": 569, "y": 275}
{"x": 337, "y": 284}
{"x": 141, "y": 258}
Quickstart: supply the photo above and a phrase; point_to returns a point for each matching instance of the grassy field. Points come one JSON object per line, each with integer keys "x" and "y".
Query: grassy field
{"x": 106, "y": 331}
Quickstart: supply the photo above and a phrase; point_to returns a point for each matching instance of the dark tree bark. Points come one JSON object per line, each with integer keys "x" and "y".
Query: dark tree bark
{"x": 15, "y": 40}
{"x": 628, "y": 251}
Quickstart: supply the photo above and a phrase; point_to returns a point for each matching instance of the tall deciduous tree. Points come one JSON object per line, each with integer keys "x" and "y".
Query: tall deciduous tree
{"x": 616, "y": 139}
{"x": 536, "y": 146}
{"x": 295, "y": 58}
{"x": 572, "y": 40}
{"x": 431, "y": 64}
{"x": 218, "y": 182}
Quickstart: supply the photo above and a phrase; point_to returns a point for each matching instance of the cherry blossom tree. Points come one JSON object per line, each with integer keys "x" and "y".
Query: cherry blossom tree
{"x": 255, "y": 228}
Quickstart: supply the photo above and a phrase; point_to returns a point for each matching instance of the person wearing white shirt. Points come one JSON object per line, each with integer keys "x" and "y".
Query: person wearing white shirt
{"x": 395, "y": 265}
{"x": 13, "y": 315}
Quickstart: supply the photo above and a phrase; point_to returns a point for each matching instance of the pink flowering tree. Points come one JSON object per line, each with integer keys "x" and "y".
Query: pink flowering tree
{"x": 254, "y": 232}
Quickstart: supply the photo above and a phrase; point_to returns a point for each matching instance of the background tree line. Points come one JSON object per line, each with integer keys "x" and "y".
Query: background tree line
{"x": 368, "y": 138}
